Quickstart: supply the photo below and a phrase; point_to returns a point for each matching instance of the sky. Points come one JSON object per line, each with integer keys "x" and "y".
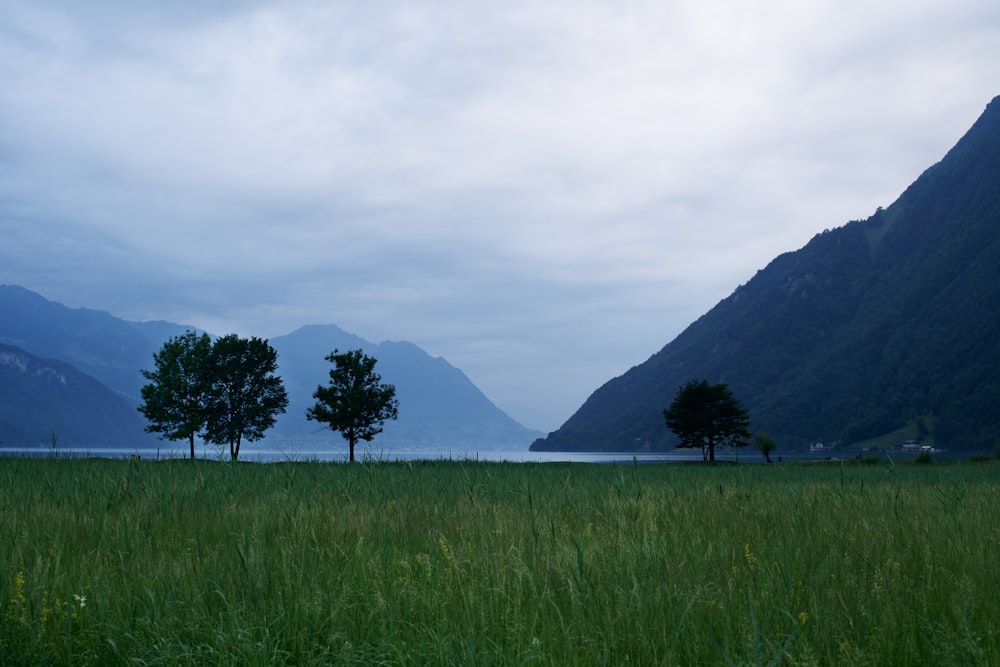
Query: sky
{"x": 544, "y": 193}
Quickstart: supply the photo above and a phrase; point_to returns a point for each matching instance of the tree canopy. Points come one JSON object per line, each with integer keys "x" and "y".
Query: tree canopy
{"x": 355, "y": 402}
{"x": 246, "y": 394}
{"x": 227, "y": 388}
{"x": 707, "y": 415}
{"x": 766, "y": 444}
{"x": 175, "y": 400}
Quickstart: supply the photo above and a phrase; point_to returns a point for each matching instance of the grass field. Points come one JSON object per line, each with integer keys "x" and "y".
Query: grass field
{"x": 178, "y": 563}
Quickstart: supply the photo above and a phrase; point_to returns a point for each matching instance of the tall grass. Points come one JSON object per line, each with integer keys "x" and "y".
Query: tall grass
{"x": 180, "y": 562}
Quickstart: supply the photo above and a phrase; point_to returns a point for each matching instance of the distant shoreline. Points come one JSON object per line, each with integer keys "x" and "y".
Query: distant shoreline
{"x": 333, "y": 455}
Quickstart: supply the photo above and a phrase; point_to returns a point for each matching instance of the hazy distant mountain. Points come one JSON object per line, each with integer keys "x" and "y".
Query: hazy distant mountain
{"x": 42, "y": 398}
{"x": 95, "y": 342}
{"x": 884, "y": 324}
{"x": 439, "y": 405}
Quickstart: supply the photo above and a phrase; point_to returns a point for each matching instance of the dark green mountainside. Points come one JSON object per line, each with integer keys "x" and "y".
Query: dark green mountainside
{"x": 881, "y": 323}
{"x": 45, "y": 398}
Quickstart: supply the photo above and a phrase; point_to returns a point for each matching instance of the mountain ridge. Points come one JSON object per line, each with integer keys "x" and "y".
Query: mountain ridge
{"x": 444, "y": 408}
{"x": 440, "y": 405}
{"x": 96, "y": 342}
{"x": 50, "y": 403}
{"x": 882, "y": 324}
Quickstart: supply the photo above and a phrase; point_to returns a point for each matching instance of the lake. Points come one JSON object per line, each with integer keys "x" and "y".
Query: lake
{"x": 313, "y": 451}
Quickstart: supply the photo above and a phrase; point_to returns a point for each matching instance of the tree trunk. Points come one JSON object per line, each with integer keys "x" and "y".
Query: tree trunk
{"x": 351, "y": 444}
{"x": 191, "y": 439}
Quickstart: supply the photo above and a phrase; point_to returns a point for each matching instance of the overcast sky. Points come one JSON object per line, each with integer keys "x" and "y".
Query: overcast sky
{"x": 543, "y": 193}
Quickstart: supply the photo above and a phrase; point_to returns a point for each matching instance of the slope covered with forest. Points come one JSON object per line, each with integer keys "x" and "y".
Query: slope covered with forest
{"x": 879, "y": 324}
{"x": 49, "y": 403}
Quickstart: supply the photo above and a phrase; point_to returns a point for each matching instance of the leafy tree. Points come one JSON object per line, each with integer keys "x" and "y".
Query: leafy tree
{"x": 175, "y": 400}
{"x": 707, "y": 415}
{"x": 246, "y": 394}
{"x": 766, "y": 444}
{"x": 356, "y": 402}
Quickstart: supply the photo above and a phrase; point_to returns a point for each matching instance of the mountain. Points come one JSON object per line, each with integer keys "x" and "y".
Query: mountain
{"x": 42, "y": 399}
{"x": 883, "y": 324}
{"x": 110, "y": 349}
{"x": 439, "y": 405}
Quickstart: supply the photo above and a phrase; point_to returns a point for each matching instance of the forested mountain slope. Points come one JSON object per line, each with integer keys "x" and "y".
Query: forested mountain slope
{"x": 44, "y": 402}
{"x": 881, "y": 323}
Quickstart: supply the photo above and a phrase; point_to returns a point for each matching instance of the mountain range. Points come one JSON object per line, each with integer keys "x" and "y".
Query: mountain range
{"x": 885, "y": 326}
{"x": 73, "y": 373}
{"x": 438, "y": 404}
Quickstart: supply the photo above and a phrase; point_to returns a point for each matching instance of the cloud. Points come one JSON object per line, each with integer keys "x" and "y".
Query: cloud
{"x": 543, "y": 193}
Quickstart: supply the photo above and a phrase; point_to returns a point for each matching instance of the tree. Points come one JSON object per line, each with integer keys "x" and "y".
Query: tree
{"x": 766, "y": 444}
{"x": 356, "y": 402}
{"x": 246, "y": 394}
{"x": 175, "y": 400}
{"x": 707, "y": 415}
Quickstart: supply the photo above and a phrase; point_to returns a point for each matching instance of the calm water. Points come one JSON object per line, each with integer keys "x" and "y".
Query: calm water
{"x": 316, "y": 452}
{"x": 312, "y": 453}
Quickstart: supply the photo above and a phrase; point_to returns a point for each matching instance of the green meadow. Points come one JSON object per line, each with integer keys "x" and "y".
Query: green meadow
{"x": 116, "y": 562}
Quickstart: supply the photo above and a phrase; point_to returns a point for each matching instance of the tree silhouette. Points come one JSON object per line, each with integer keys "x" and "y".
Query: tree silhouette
{"x": 246, "y": 394}
{"x": 766, "y": 444}
{"x": 175, "y": 400}
{"x": 356, "y": 402}
{"x": 228, "y": 388}
{"x": 707, "y": 415}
